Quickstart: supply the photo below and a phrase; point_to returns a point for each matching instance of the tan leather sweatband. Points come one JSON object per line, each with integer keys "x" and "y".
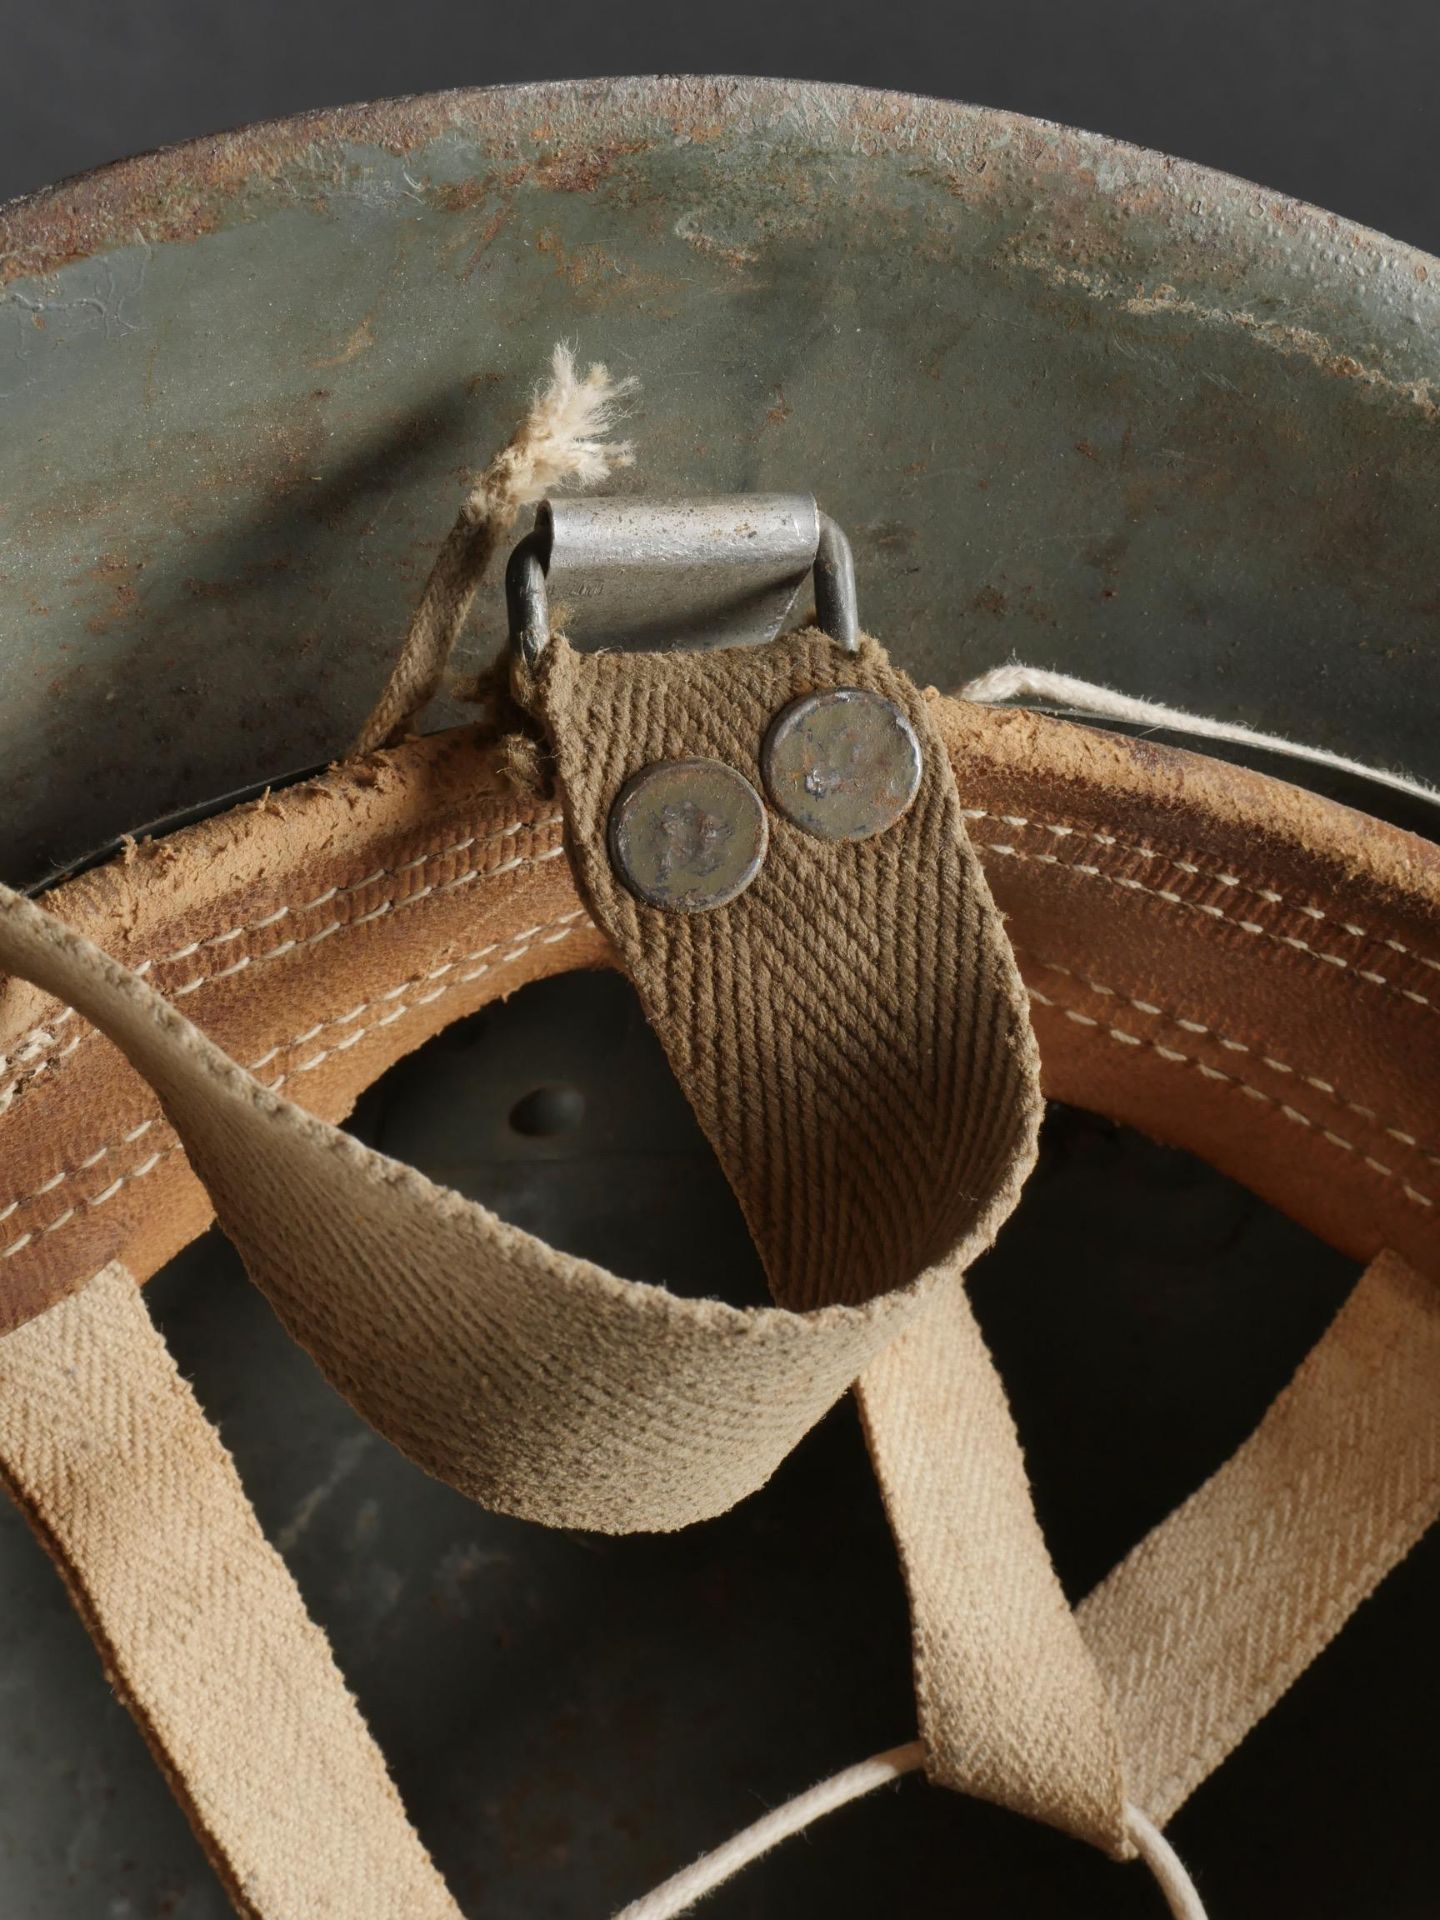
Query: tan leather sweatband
{"x": 1233, "y": 965}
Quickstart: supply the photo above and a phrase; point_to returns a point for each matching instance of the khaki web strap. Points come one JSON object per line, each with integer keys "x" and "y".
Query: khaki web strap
{"x": 205, "y": 1637}
{"x": 200, "y": 1626}
{"x": 1012, "y": 1706}
{"x": 852, "y": 1034}
{"x": 1202, "y": 1628}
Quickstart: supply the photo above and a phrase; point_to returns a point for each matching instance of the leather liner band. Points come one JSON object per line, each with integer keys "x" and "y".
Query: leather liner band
{"x": 1231, "y": 964}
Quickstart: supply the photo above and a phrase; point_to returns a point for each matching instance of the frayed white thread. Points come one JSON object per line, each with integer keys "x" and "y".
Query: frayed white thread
{"x": 563, "y": 440}
{"x": 1163, "y": 1861}
{"x": 683, "y": 1889}
{"x": 1019, "y": 682}
{"x": 560, "y": 442}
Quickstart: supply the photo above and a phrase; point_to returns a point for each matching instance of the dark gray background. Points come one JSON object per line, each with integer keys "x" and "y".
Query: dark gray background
{"x": 1324, "y": 99}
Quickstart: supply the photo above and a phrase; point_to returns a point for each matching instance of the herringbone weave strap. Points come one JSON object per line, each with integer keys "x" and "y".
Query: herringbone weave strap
{"x": 200, "y": 1626}
{"x": 1202, "y": 1628}
{"x": 990, "y": 1620}
{"x": 881, "y": 1153}
{"x": 538, "y": 1384}
{"x": 855, "y": 1040}
{"x": 851, "y": 1033}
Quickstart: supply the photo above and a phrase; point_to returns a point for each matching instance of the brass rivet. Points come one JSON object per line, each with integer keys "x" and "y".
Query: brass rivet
{"x": 688, "y": 835}
{"x": 843, "y": 765}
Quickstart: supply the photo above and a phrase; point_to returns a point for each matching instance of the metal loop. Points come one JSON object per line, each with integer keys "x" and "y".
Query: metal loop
{"x": 527, "y": 599}
{"x": 837, "y": 605}
{"x": 829, "y": 558}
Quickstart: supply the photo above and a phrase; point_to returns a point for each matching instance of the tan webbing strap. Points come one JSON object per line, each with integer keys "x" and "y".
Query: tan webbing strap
{"x": 543, "y": 1385}
{"x": 877, "y": 1081}
{"x": 851, "y": 1033}
{"x": 547, "y": 1387}
{"x": 1209, "y": 1620}
{"x": 1012, "y": 1705}
{"x": 199, "y": 1624}
{"x": 537, "y": 1383}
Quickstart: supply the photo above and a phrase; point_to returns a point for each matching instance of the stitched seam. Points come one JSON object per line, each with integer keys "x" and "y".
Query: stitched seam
{"x": 550, "y": 934}
{"x": 1230, "y": 880}
{"x": 1324, "y": 1087}
{"x": 289, "y": 946}
{"x": 1215, "y": 913}
{"x": 1294, "y": 1114}
{"x": 39, "y": 1040}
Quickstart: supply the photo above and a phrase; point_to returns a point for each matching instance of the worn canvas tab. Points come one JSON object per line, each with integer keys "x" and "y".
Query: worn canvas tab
{"x": 852, "y": 1034}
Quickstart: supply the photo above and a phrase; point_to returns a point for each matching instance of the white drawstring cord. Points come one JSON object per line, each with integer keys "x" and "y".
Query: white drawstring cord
{"x": 682, "y": 1890}
{"x": 1019, "y": 682}
{"x": 692, "y": 1883}
{"x": 1163, "y": 1861}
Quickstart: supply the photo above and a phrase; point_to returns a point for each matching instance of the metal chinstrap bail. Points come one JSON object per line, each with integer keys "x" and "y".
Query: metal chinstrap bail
{"x": 635, "y": 573}
{"x": 837, "y": 605}
{"x": 528, "y": 600}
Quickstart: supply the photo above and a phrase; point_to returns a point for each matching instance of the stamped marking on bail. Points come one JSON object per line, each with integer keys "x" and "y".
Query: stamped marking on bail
{"x": 843, "y": 765}
{"x": 688, "y": 835}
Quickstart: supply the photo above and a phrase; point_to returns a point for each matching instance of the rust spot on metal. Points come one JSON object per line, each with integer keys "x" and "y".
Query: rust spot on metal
{"x": 360, "y": 341}
{"x": 687, "y": 835}
{"x": 489, "y": 234}
{"x": 581, "y": 169}
{"x": 461, "y": 196}
{"x": 598, "y": 276}
{"x": 842, "y": 765}
{"x": 890, "y": 537}
{"x": 117, "y": 577}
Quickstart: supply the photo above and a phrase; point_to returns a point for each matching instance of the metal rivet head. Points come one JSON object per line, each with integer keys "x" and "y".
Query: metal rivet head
{"x": 843, "y": 765}
{"x": 688, "y": 834}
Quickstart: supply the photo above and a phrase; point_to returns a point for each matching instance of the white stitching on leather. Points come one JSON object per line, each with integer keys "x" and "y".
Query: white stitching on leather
{"x": 288, "y": 946}
{"x": 1204, "y": 873}
{"x": 38, "y": 1042}
{"x": 531, "y": 937}
{"x": 1254, "y": 1093}
{"x": 546, "y": 935}
{"x": 359, "y": 886}
{"x": 1215, "y": 913}
{"x": 1325, "y": 1087}
{"x": 90, "y": 1160}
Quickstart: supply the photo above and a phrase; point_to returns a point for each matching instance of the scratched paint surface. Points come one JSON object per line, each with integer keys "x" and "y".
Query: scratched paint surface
{"x": 1075, "y": 402}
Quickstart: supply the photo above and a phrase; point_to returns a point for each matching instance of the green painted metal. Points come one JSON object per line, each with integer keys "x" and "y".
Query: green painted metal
{"x": 1074, "y": 402}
